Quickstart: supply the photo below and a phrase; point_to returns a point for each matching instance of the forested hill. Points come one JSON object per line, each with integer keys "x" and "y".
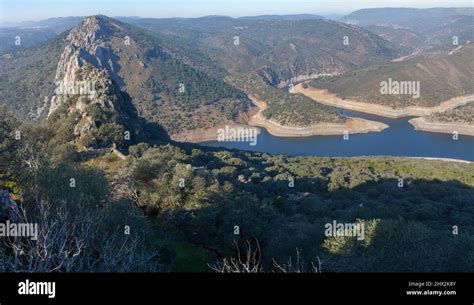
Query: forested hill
{"x": 445, "y": 74}
{"x": 285, "y": 108}
{"x": 162, "y": 87}
{"x": 417, "y": 29}
{"x": 285, "y": 49}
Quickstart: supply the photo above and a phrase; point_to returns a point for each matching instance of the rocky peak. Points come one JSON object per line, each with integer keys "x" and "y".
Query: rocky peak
{"x": 88, "y": 45}
{"x": 90, "y": 31}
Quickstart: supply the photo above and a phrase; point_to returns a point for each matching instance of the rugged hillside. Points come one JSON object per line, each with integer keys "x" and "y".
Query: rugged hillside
{"x": 417, "y": 28}
{"x": 161, "y": 81}
{"x": 27, "y": 78}
{"x": 175, "y": 78}
{"x": 162, "y": 87}
{"x": 101, "y": 116}
{"x": 412, "y": 18}
{"x": 408, "y": 39}
{"x": 33, "y": 33}
{"x": 446, "y": 74}
{"x": 285, "y": 49}
{"x": 461, "y": 27}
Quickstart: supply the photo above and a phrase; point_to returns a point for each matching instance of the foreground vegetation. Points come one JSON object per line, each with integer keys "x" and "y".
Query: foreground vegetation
{"x": 187, "y": 206}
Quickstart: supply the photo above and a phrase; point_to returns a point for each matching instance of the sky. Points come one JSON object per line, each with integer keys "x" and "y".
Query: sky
{"x": 23, "y": 10}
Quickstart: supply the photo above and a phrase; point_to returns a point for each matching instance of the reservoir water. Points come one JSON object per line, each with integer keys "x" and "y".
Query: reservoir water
{"x": 399, "y": 139}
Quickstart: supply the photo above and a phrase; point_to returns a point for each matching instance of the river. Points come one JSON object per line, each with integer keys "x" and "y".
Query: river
{"x": 400, "y": 139}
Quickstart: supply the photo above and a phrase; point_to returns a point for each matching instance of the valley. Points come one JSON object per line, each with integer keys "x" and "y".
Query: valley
{"x": 139, "y": 150}
{"x": 163, "y": 69}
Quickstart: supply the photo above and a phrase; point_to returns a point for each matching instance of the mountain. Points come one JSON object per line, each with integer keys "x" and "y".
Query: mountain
{"x": 442, "y": 75}
{"x": 282, "y": 17}
{"x": 100, "y": 117}
{"x": 461, "y": 27}
{"x": 150, "y": 70}
{"x": 409, "y": 40}
{"x": 32, "y": 33}
{"x": 102, "y": 91}
{"x": 417, "y": 28}
{"x": 283, "y": 49}
{"x": 56, "y": 24}
{"x": 175, "y": 76}
{"x": 14, "y": 39}
{"x": 27, "y": 78}
{"x": 286, "y": 47}
{"x": 411, "y": 18}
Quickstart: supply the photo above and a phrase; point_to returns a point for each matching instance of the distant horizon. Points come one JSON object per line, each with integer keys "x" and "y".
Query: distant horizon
{"x": 21, "y": 11}
{"x": 204, "y": 16}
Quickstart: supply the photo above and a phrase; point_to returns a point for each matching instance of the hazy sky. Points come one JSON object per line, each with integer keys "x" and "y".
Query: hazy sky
{"x": 21, "y": 10}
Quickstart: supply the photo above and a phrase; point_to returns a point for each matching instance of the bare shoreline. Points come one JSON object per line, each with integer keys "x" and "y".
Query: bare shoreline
{"x": 353, "y": 126}
{"x": 204, "y": 134}
{"x": 440, "y": 159}
{"x": 424, "y": 125}
{"x": 325, "y": 97}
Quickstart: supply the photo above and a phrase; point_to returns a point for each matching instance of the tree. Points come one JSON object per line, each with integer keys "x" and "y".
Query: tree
{"x": 249, "y": 261}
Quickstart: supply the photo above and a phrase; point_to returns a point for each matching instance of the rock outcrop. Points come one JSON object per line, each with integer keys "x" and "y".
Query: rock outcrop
{"x": 87, "y": 46}
{"x": 87, "y": 87}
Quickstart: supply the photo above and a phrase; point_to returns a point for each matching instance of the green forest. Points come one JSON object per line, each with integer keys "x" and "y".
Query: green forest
{"x": 181, "y": 205}
{"x": 285, "y": 108}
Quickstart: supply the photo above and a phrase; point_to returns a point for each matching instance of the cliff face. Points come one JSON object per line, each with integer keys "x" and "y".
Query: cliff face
{"x": 88, "y": 89}
{"x": 106, "y": 95}
{"x": 152, "y": 71}
{"x": 87, "y": 47}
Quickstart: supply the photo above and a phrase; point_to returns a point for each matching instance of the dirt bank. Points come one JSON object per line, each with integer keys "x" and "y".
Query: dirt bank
{"x": 352, "y": 126}
{"x": 203, "y": 134}
{"x": 255, "y": 118}
{"x": 327, "y": 98}
{"x": 423, "y": 124}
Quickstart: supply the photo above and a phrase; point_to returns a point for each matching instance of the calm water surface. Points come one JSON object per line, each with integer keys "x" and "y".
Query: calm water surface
{"x": 400, "y": 139}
